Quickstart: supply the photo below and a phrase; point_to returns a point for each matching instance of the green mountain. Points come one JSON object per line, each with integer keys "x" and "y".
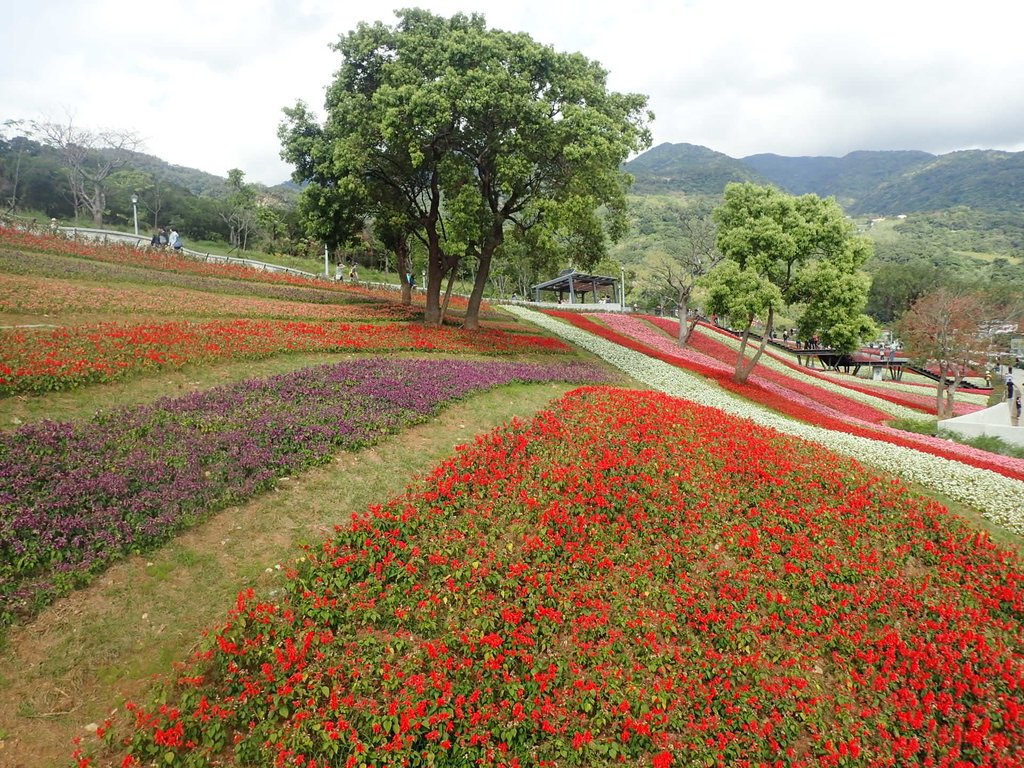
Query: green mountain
{"x": 687, "y": 168}
{"x": 985, "y": 180}
{"x": 849, "y": 179}
{"x": 881, "y": 183}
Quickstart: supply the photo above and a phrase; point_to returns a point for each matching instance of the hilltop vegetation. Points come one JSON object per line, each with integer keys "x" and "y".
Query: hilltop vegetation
{"x": 954, "y": 217}
{"x": 864, "y": 183}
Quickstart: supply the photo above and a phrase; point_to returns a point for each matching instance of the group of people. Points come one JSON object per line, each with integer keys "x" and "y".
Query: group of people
{"x": 162, "y": 238}
{"x": 339, "y": 272}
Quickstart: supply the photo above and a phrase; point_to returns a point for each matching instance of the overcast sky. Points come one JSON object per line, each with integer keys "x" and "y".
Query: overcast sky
{"x": 203, "y": 82}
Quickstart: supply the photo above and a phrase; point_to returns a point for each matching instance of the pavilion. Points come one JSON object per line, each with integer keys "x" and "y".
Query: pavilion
{"x": 576, "y": 285}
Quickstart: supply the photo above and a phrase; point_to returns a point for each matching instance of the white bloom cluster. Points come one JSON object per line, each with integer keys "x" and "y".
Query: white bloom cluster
{"x": 999, "y": 498}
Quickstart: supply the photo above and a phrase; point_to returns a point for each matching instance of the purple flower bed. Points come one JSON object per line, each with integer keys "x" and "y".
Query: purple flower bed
{"x": 76, "y": 496}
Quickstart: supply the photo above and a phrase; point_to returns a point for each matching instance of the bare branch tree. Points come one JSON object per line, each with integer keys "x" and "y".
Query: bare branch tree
{"x": 89, "y": 157}
{"x": 696, "y": 258}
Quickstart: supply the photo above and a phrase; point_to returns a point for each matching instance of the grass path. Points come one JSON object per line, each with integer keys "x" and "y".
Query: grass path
{"x": 90, "y": 651}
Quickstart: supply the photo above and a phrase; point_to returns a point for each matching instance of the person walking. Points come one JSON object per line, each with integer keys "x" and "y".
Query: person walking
{"x": 175, "y": 239}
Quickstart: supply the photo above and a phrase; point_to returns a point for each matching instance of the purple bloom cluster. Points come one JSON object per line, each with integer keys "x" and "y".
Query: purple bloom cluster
{"x": 76, "y": 496}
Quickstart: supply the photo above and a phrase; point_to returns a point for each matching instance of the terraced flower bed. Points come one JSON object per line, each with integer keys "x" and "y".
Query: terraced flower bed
{"x": 631, "y": 579}
{"x": 988, "y": 482}
{"x": 76, "y": 496}
{"x": 41, "y": 360}
{"x": 30, "y": 295}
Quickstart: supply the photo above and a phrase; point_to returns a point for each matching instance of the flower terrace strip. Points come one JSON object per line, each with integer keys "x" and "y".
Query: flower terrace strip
{"x": 785, "y": 401}
{"x": 627, "y": 579}
{"x": 55, "y": 297}
{"x": 75, "y": 496}
{"x": 979, "y": 479}
{"x": 49, "y": 265}
{"x": 33, "y": 360}
{"x": 915, "y": 401}
{"x": 711, "y": 354}
{"x": 169, "y": 261}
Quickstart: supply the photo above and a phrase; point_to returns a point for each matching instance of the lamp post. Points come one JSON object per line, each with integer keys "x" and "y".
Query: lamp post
{"x": 135, "y": 212}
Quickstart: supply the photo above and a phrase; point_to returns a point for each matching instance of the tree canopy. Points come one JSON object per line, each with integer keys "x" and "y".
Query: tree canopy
{"x": 797, "y": 252}
{"x": 462, "y": 134}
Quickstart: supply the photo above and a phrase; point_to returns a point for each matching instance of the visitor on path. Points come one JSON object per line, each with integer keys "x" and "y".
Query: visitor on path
{"x": 175, "y": 239}
{"x": 353, "y": 275}
{"x": 157, "y": 241}
{"x": 1009, "y": 386}
{"x": 339, "y": 272}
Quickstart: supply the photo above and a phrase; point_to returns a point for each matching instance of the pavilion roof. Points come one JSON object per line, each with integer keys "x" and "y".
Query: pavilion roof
{"x": 579, "y": 281}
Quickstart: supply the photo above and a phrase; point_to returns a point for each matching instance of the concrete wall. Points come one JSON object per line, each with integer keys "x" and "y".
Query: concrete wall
{"x": 995, "y": 421}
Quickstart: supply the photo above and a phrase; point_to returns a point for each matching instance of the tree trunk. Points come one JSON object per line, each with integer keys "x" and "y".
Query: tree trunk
{"x": 939, "y": 387}
{"x": 494, "y": 238}
{"x": 744, "y": 367}
{"x": 97, "y": 203}
{"x": 950, "y": 395}
{"x": 436, "y": 258}
{"x": 684, "y": 327}
{"x": 404, "y": 267}
{"x": 448, "y": 293}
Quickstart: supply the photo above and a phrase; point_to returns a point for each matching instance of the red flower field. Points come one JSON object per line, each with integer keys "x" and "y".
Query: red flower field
{"x": 627, "y": 579}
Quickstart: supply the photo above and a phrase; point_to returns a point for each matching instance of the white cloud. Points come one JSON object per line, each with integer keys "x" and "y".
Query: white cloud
{"x": 204, "y": 82}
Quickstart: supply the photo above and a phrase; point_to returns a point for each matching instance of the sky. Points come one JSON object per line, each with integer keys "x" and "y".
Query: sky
{"x": 203, "y": 82}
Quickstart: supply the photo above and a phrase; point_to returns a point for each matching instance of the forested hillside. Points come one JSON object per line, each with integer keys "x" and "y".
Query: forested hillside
{"x": 687, "y": 168}
{"x": 956, "y": 217}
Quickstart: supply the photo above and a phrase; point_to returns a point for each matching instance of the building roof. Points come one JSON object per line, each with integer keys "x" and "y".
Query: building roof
{"x": 579, "y": 280}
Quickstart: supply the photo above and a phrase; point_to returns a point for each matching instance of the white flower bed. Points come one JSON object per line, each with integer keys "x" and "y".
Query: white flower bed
{"x": 999, "y": 498}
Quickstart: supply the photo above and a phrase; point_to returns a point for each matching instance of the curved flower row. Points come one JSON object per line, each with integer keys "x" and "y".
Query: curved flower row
{"x": 74, "y": 497}
{"x": 628, "y": 579}
{"x": 709, "y": 352}
{"x": 920, "y": 391}
{"x": 1000, "y": 498}
{"x": 897, "y": 407}
{"x": 33, "y": 360}
{"x": 46, "y": 265}
{"x": 50, "y": 296}
{"x": 800, "y": 407}
{"x": 169, "y": 261}
{"x": 907, "y": 405}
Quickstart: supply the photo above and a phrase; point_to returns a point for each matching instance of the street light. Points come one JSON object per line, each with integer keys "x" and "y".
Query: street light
{"x": 135, "y": 212}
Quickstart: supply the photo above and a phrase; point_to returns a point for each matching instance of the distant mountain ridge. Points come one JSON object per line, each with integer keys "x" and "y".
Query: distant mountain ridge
{"x": 863, "y": 182}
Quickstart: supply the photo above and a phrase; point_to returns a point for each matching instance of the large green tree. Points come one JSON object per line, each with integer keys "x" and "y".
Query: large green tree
{"x": 464, "y": 133}
{"x": 794, "y": 252}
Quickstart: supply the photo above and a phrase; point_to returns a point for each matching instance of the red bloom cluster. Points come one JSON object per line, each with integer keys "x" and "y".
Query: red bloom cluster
{"x": 627, "y": 579}
{"x": 33, "y": 360}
